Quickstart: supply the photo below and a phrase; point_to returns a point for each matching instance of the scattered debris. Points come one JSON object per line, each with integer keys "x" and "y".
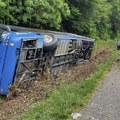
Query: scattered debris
{"x": 76, "y": 116}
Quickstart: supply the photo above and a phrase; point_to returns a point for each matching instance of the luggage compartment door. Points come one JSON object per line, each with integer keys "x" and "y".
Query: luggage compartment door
{"x": 29, "y": 61}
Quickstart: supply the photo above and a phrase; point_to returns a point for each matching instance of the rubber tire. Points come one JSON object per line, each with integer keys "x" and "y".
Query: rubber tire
{"x": 52, "y": 45}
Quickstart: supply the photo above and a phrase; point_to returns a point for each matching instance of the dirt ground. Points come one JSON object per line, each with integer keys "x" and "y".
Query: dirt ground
{"x": 13, "y": 107}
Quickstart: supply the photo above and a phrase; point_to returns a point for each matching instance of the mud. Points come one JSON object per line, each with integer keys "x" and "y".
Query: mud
{"x": 23, "y": 99}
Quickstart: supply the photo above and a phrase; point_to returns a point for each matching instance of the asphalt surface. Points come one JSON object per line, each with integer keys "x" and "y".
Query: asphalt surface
{"x": 105, "y": 104}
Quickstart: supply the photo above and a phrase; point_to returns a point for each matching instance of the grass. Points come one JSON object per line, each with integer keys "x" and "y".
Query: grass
{"x": 1, "y": 101}
{"x": 70, "y": 97}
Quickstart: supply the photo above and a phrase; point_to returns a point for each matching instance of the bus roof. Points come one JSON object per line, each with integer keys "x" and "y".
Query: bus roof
{"x": 58, "y": 34}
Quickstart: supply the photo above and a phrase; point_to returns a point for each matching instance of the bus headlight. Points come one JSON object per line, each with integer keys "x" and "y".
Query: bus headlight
{"x": 48, "y": 38}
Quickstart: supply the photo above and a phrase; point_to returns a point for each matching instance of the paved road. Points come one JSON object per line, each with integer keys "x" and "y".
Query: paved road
{"x": 105, "y": 104}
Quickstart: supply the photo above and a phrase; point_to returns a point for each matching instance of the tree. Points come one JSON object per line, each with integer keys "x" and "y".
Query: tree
{"x": 2, "y": 12}
{"x": 35, "y": 13}
{"x": 102, "y": 12}
{"x": 115, "y": 17}
{"x": 47, "y": 13}
{"x": 87, "y": 16}
{"x": 92, "y": 18}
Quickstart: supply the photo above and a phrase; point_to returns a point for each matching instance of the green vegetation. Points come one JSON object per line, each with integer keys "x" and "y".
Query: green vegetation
{"x": 34, "y": 13}
{"x": 70, "y": 97}
{"x": 99, "y": 19}
{"x": 1, "y": 101}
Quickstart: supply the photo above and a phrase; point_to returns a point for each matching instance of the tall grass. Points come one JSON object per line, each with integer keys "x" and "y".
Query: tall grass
{"x": 70, "y": 97}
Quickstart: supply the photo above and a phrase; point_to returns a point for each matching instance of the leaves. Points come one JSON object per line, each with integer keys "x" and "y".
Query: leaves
{"x": 37, "y": 13}
{"x": 92, "y": 18}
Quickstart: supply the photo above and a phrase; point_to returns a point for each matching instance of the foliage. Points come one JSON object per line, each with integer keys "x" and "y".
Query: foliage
{"x": 92, "y": 18}
{"x": 115, "y": 17}
{"x": 47, "y": 13}
{"x": 2, "y": 6}
{"x": 37, "y": 13}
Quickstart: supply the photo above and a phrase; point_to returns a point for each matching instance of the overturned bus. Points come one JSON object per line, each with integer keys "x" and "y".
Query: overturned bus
{"x": 25, "y": 52}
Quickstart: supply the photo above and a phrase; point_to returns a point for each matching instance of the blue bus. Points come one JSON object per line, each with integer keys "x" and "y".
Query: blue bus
{"x": 26, "y": 52}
